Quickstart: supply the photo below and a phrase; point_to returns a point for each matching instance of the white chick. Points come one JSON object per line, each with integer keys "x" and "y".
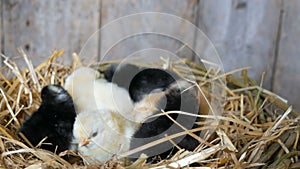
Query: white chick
{"x": 80, "y": 84}
{"x": 104, "y": 133}
{"x": 102, "y": 127}
{"x": 90, "y": 93}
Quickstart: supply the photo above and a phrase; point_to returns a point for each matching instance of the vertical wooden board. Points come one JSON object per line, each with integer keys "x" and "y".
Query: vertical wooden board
{"x": 287, "y": 78}
{"x": 1, "y": 32}
{"x": 39, "y": 27}
{"x": 143, "y": 45}
{"x": 119, "y": 8}
{"x": 243, "y": 32}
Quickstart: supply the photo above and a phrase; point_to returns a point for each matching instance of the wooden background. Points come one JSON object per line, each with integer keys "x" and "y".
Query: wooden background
{"x": 262, "y": 34}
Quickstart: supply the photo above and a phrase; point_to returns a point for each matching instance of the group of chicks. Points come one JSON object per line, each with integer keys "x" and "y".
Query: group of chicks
{"x": 101, "y": 118}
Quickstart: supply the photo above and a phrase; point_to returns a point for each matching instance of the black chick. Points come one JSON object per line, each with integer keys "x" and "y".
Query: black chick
{"x": 178, "y": 97}
{"x": 53, "y": 120}
{"x": 139, "y": 81}
{"x": 121, "y": 74}
{"x": 150, "y": 80}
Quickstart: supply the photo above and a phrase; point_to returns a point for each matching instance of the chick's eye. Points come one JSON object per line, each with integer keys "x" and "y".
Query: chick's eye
{"x": 94, "y": 134}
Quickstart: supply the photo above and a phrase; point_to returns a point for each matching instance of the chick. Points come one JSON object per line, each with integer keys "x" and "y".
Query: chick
{"x": 103, "y": 133}
{"x": 181, "y": 96}
{"x": 178, "y": 95}
{"x": 117, "y": 120}
{"x": 91, "y": 93}
{"x": 53, "y": 120}
{"x": 104, "y": 123}
{"x": 139, "y": 81}
{"x": 80, "y": 84}
{"x": 121, "y": 74}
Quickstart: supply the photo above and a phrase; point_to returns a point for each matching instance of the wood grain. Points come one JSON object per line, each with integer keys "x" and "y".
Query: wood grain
{"x": 243, "y": 33}
{"x": 287, "y": 78}
{"x": 148, "y": 45}
{"x": 42, "y": 26}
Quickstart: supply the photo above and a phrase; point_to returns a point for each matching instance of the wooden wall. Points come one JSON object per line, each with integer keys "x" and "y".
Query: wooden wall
{"x": 261, "y": 34}
{"x": 41, "y": 26}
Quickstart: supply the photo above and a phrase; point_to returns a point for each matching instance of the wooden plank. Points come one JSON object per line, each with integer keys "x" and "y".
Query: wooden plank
{"x": 148, "y": 45}
{"x": 42, "y": 26}
{"x": 243, "y": 32}
{"x": 1, "y": 32}
{"x": 287, "y": 79}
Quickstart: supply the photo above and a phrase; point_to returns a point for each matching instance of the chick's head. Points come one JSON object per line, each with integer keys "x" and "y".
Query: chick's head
{"x": 101, "y": 134}
{"x": 54, "y": 94}
{"x": 86, "y": 128}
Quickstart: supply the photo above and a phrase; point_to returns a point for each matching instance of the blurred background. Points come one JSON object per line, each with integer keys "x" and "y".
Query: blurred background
{"x": 262, "y": 34}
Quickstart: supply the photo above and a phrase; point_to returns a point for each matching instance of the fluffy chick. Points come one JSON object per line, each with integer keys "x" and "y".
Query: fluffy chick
{"x": 121, "y": 74}
{"x": 53, "y": 120}
{"x": 178, "y": 95}
{"x": 104, "y": 124}
{"x": 80, "y": 84}
{"x": 150, "y": 80}
{"x": 139, "y": 81}
{"x": 101, "y": 134}
{"x": 91, "y": 93}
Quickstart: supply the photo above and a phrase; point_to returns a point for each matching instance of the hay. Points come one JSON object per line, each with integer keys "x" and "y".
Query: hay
{"x": 258, "y": 129}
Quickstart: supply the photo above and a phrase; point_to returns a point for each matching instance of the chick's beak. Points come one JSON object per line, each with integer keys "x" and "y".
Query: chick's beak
{"x": 84, "y": 142}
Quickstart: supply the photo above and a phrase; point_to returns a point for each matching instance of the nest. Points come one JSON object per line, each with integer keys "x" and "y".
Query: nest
{"x": 258, "y": 129}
